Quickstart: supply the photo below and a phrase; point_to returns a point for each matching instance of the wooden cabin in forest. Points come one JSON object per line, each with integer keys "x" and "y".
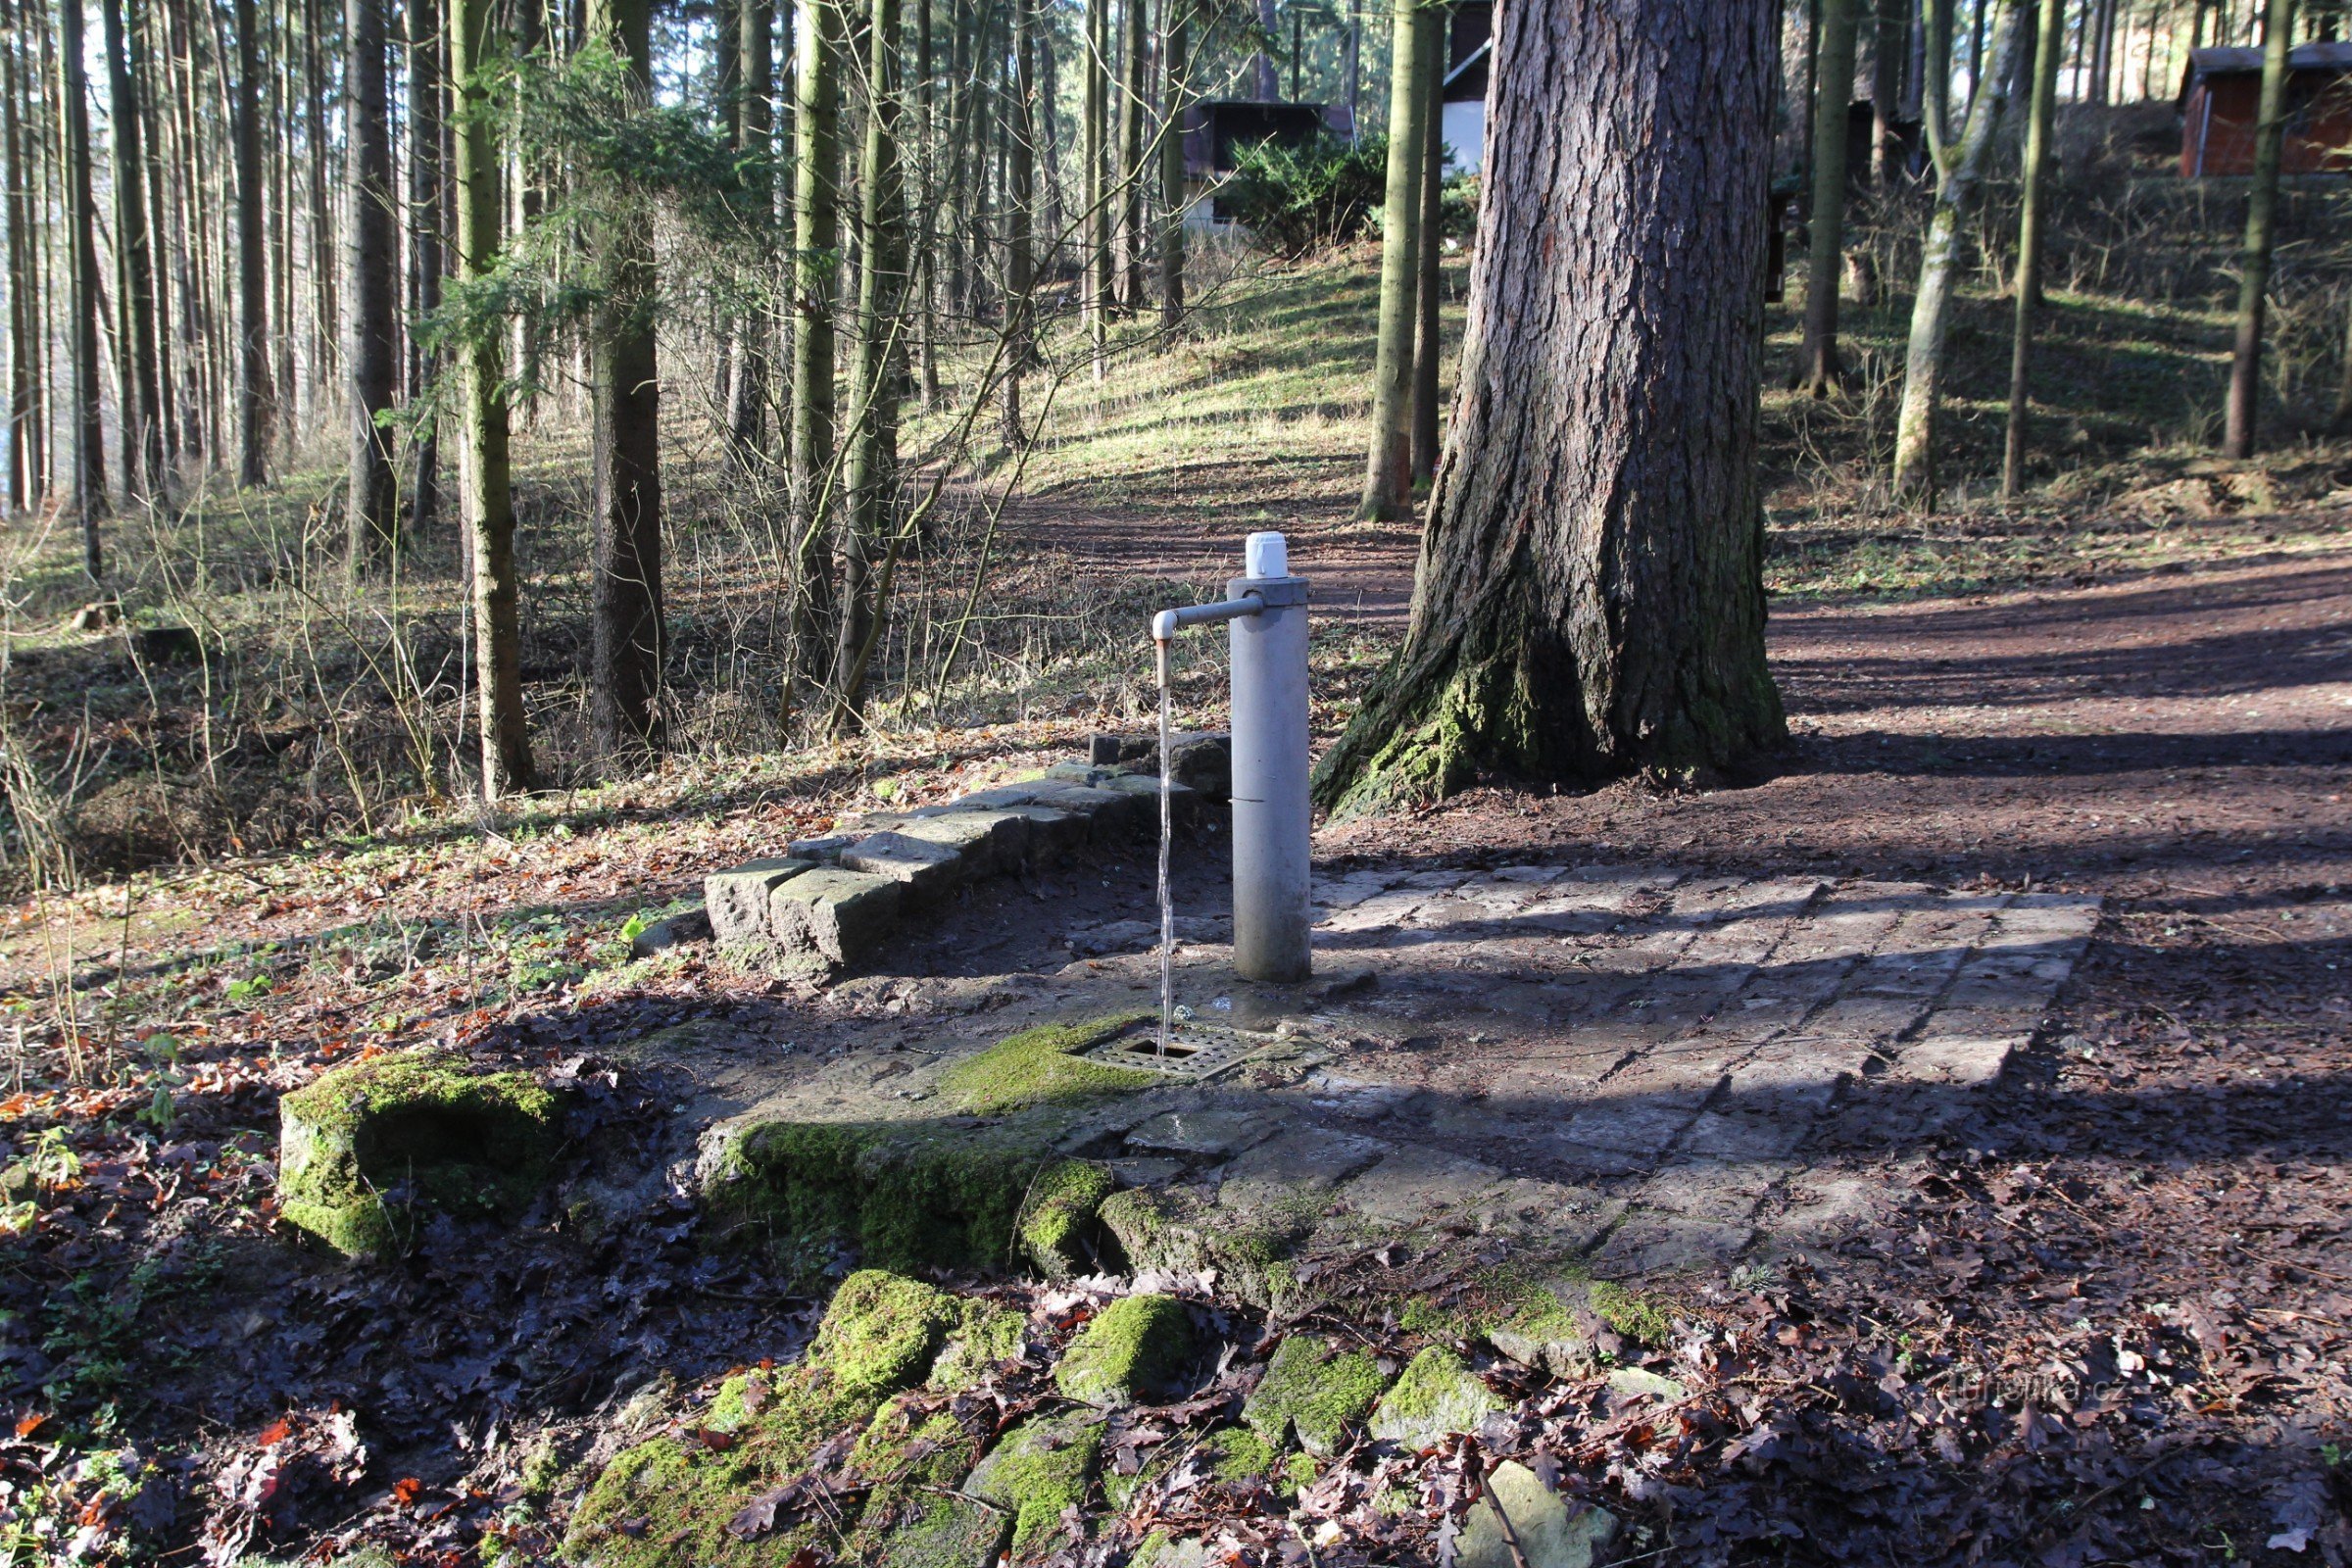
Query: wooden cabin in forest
{"x": 2221, "y": 99}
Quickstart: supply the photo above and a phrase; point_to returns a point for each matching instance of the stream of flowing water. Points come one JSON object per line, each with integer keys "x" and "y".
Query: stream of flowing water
{"x": 1167, "y": 904}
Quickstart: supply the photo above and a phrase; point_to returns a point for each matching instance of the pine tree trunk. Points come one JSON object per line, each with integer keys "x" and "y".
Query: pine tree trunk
{"x": 1020, "y": 270}
{"x": 1890, "y": 43}
{"x": 1819, "y": 371}
{"x": 489, "y": 504}
{"x": 1959, "y": 179}
{"x": 370, "y": 349}
{"x": 1095, "y": 148}
{"x": 816, "y": 236}
{"x": 1178, "y": 14}
{"x": 876, "y": 371}
{"x": 1389, "y": 469}
{"x": 326, "y": 312}
{"x": 425, "y": 218}
{"x": 254, "y": 398}
{"x": 1590, "y": 596}
{"x": 1132, "y": 244}
{"x": 2262, "y": 201}
{"x": 2040, "y": 113}
{"x": 1430, "y": 277}
{"x": 754, "y": 140}
{"x": 624, "y": 421}
{"x": 143, "y": 399}
{"x": 926, "y": 205}
{"x": 81, "y": 244}
{"x": 16, "y": 165}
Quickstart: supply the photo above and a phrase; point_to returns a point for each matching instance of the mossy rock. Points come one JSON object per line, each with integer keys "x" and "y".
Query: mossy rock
{"x": 1041, "y": 1067}
{"x": 1136, "y": 1345}
{"x": 1178, "y": 1231}
{"x": 915, "y": 1454}
{"x": 1043, "y": 1467}
{"x": 1437, "y": 1394}
{"x": 364, "y": 1143}
{"x": 1315, "y": 1392}
{"x": 988, "y": 1337}
{"x": 666, "y": 1502}
{"x": 1057, "y": 1227}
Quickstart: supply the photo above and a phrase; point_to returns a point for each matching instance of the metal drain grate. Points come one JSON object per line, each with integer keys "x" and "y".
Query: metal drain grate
{"x": 1194, "y": 1051}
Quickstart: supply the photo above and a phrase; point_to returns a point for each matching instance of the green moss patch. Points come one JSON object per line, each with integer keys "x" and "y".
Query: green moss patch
{"x": 1044, "y": 1466}
{"x": 1436, "y": 1394}
{"x": 1177, "y": 1231}
{"x": 1313, "y": 1391}
{"x": 1134, "y": 1344}
{"x": 1636, "y": 1316}
{"x": 1058, "y": 1223}
{"x": 881, "y": 1331}
{"x": 417, "y": 1129}
{"x": 1041, "y": 1067}
{"x": 988, "y": 1337}
{"x": 915, "y": 1454}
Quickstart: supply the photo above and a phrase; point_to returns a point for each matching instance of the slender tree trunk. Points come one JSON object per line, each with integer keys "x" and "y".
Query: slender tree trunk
{"x": 1819, "y": 371}
{"x": 142, "y": 399}
{"x": 756, "y": 141}
{"x": 254, "y": 397}
{"x": 369, "y": 354}
{"x": 81, "y": 242}
{"x": 1020, "y": 276}
{"x": 489, "y": 504}
{"x": 1812, "y": 77}
{"x": 816, "y": 236}
{"x": 876, "y": 371}
{"x": 1890, "y": 43}
{"x": 2262, "y": 201}
{"x": 1429, "y": 282}
{"x": 1936, "y": 107}
{"x": 1389, "y": 469}
{"x": 1095, "y": 148}
{"x": 624, "y": 417}
{"x": 2040, "y": 113}
{"x": 1958, "y": 181}
{"x": 325, "y": 309}
{"x": 927, "y": 200}
{"x": 1178, "y": 19}
{"x": 424, "y": 219}
{"x": 1590, "y": 596}
{"x": 1132, "y": 244}
{"x": 16, "y": 149}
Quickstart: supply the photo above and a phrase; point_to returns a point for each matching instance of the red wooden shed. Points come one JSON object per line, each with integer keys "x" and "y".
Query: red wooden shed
{"x": 2221, "y": 99}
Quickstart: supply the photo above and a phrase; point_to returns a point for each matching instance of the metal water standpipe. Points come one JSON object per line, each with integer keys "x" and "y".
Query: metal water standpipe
{"x": 1271, "y": 817}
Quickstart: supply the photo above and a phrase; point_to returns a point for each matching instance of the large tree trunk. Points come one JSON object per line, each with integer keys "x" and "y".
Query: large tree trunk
{"x": 142, "y": 415}
{"x": 1590, "y": 596}
{"x": 81, "y": 246}
{"x": 2040, "y": 113}
{"x": 625, "y": 419}
{"x": 1430, "y": 274}
{"x": 754, "y": 121}
{"x": 1177, "y": 15}
{"x": 2262, "y": 201}
{"x": 255, "y": 399}
{"x": 369, "y": 348}
{"x": 1959, "y": 177}
{"x": 1388, "y": 467}
{"x": 875, "y": 373}
{"x": 489, "y": 501}
{"x": 424, "y": 221}
{"x": 816, "y": 233}
{"x": 1818, "y": 369}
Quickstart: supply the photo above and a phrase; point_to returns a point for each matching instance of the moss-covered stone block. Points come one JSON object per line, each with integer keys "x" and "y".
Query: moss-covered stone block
{"x": 362, "y": 1143}
{"x": 1180, "y": 1230}
{"x": 1043, "y": 1066}
{"x": 988, "y": 1337}
{"x": 914, "y": 1454}
{"x": 1313, "y": 1391}
{"x": 1043, "y": 1467}
{"x": 1136, "y": 1345}
{"x": 1437, "y": 1393}
{"x": 666, "y": 1502}
{"x": 1057, "y": 1224}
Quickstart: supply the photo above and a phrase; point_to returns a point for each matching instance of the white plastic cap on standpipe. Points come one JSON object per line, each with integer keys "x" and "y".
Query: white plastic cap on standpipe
{"x": 1267, "y": 554}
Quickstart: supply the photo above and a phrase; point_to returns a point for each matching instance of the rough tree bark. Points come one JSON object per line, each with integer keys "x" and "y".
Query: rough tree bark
{"x": 1958, "y": 178}
{"x": 815, "y": 239}
{"x": 1388, "y": 467}
{"x": 369, "y": 299}
{"x": 489, "y": 503}
{"x": 81, "y": 247}
{"x": 255, "y": 399}
{"x": 2262, "y": 202}
{"x": 1818, "y": 369}
{"x": 624, "y": 394}
{"x": 876, "y": 370}
{"x": 1590, "y": 596}
{"x": 1429, "y": 275}
{"x": 2041, "y": 113}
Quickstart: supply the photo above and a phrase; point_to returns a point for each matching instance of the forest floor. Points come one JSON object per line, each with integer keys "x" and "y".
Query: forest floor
{"x": 2102, "y": 1315}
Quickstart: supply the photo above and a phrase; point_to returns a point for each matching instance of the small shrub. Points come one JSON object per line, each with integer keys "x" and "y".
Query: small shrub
{"x": 1295, "y": 200}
